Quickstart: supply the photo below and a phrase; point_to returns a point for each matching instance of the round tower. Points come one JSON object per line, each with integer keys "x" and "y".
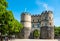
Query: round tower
{"x": 26, "y": 22}
{"x": 47, "y": 25}
{"x": 50, "y": 18}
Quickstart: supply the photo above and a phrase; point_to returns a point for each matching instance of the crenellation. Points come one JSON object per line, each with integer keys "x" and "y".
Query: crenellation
{"x": 35, "y": 15}
{"x": 50, "y": 12}
{"x": 26, "y": 13}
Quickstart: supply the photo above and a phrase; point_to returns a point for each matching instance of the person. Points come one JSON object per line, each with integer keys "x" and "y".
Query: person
{"x": 6, "y": 38}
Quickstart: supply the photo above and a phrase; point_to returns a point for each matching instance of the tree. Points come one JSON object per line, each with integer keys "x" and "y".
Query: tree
{"x": 15, "y": 27}
{"x": 36, "y": 33}
{"x": 57, "y": 31}
{"x": 8, "y": 24}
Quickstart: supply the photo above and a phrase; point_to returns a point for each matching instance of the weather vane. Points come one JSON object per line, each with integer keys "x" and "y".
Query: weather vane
{"x": 25, "y": 9}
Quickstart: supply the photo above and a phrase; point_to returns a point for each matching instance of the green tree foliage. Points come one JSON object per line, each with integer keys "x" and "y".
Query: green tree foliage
{"x": 8, "y": 24}
{"x": 36, "y": 33}
{"x": 3, "y": 3}
{"x": 57, "y": 31}
{"x": 16, "y": 27}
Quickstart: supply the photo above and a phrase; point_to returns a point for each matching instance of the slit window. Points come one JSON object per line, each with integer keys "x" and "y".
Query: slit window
{"x": 33, "y": 20}
{"x": 50, "y": 23}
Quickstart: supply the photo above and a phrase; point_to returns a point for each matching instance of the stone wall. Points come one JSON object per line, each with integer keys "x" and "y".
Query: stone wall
{"x": 47, "y": 32}
{"x": 26, "y": 22}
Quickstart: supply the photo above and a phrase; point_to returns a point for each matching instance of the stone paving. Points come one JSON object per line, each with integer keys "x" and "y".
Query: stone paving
{"x": 35, "y": 40}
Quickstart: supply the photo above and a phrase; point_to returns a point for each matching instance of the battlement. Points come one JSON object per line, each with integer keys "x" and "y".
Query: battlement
{"x": 46, "y": 12}
{"x": 50, "y": 12}
{"x": 36, "y": 15}
{"x": 26, "y": 13}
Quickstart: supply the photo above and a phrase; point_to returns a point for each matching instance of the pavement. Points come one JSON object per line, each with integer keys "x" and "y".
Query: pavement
{"x": 34, "y": 40}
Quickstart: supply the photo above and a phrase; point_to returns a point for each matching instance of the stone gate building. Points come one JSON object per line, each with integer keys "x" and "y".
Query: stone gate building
{"x": 43, "y": 22}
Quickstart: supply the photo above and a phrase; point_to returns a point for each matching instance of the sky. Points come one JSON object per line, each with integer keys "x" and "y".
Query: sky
{"x": 35, "y": 7}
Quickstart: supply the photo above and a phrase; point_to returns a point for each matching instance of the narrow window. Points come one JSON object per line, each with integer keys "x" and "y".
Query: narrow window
{"x": 38, "y": 20}
{"x": 50, "y": 23}
{"x": 42, "y": 24}
{"x": 49, "y": 17}
{"x": 33, "y": 20}
{"x": 37, "y": 25}
{"x": 32, "y": 25}
{"x": 45, "y": 24}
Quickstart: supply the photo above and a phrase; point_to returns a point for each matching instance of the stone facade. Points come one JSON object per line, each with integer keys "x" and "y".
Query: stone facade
{"x": 35, "y": 21}
{"x": 47, "y": 26}
{"x": 44, "y": 23}
{"x": 26, "y": 21}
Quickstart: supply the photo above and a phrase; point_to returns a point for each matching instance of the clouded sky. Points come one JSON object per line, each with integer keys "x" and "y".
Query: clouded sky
{"x": 35, "y": 7}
